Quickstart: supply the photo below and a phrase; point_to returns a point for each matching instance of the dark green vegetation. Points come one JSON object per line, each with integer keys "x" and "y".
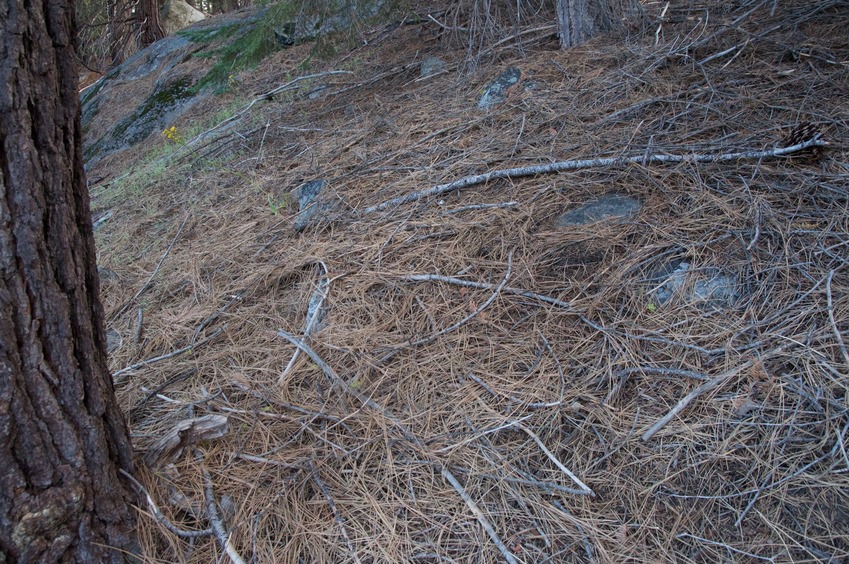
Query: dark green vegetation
{"x": 280, "y": 25}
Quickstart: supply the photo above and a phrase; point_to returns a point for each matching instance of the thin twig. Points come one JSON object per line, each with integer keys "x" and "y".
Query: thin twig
{"x": 755, "y": 497}
{"x": 443, "y": 26}
{"x": 831, "y": 318}
{"x": 726, "y": 546}
{"x": 588, "y": 163}
{"x": 585, "y": 489}
{"x": 235, "y": 298}
{"x": 336, "y": 515}
{"x": 625, "y": 373}
{"x": 472, "y": 315}
{"x": 479, "y": 434}
{"x": 485, "y": 286}
{"x": 144, "y": 287}
{"x": 470, "y": 503}
{"x": 335, "y": 378}
{"x": 262, "y": 460}
{"x": 158, "y": 514}
{"x": 218, "y": 527}
{"x": 166, "y": 356}
{"x": 707, "y": 386}
{"x": 514, "y": 399}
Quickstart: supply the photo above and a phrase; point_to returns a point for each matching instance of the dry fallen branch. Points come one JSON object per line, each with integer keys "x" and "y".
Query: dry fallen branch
{"x": 336, "y": 380}
{"x": 315, "y": 310}
{"x": 590, "y": 163}
{"x": 172, "y": 354}
{"x": 336, "y": 515}
{"x": 485, "y": 286}
{"x": 218, "y": 527}
{"x": 472, "y": 315}
{"x": 158, "y": 514}
{"x": 473, "y": 507}
{"x": 514, "y": 399}
{"x": 585, "y": 489}
{"x": 706, "y": 387}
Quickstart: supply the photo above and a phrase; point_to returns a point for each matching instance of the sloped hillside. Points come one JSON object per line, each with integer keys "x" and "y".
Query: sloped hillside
{"x": 638, "y": 355}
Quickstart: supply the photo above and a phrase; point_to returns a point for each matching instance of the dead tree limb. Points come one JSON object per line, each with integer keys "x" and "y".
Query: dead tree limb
{"x": 561, "y": 166}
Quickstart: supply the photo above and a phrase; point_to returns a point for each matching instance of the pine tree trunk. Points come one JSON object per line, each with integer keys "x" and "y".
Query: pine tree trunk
{"x": 117, "y": 28}
{"x": 62, "y": 435}
{"x": 150, "y": 22}
{"x": 579, "y": 20}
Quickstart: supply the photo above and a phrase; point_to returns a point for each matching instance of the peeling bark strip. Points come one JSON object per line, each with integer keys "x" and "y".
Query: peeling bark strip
{"x": 62, "y": 435}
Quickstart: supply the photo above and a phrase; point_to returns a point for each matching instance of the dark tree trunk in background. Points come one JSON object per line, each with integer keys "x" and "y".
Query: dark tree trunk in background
{"x": 149, "y": 21}
{"x": 115, "y": 13}
{"x": 579, "y": 20}
{"x": 62, "y": 435}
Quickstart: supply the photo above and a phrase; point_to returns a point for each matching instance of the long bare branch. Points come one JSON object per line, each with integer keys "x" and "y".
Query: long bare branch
{"x": 561, "y": 166}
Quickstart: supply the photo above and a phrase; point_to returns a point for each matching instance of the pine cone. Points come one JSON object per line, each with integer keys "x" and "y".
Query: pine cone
{"x": 804, "y": 131}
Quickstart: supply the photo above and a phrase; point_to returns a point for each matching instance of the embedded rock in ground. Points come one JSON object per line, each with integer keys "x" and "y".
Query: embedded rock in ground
{"x": 431, "y": 66}
{"x": 611, "y": 208}
{"x": 314, "y": 204}
{"x": 113, "y": 341}
{"x": 498, "y": 90}
{"x": 709, "y": 286}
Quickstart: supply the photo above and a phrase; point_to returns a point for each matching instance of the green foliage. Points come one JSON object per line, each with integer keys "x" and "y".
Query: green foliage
{"x": 249, "y": 45}
{"x": 276, "y": 206}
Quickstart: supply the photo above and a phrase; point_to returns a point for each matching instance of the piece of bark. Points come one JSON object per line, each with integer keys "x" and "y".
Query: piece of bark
{"x": 185, "y": 434}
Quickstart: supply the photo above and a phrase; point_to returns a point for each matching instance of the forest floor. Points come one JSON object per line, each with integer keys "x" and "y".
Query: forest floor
{"x": 482, "y": 383}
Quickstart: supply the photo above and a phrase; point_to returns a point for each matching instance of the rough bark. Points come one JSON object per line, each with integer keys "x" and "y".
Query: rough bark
{"x": 62, "y": 435}
{"x": 579, "y": 20}
{"x": 150, "y": 22}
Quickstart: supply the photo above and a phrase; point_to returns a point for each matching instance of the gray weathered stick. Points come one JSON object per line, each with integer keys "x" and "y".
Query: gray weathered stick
{"x": 469, "y": 317}
{"x": 158, "y": 514}
{"x": 470, "y": 503}
{"x": 166, "y": 356}
{"x": 707, "y": 386}
{"x": 215, "y": 520}
{"x": 585, "y": 488}
{"x": 589, "y": 163}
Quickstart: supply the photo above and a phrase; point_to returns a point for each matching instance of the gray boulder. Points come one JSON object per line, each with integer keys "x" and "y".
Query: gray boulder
{"x": 177, "y": 14}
